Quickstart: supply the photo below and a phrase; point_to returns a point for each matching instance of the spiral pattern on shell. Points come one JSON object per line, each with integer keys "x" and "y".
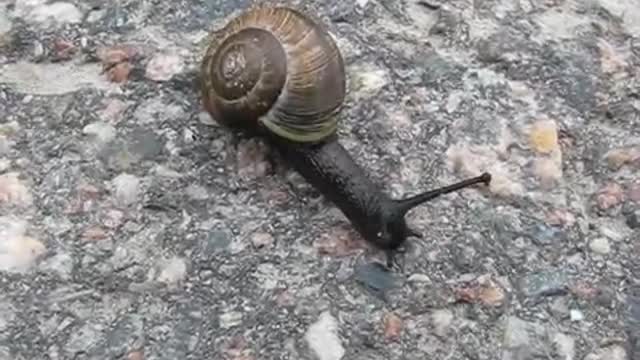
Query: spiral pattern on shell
{"x": 274, "y": 67}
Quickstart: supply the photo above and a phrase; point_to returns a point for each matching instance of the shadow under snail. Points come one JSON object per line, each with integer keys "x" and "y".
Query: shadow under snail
{"x": 276, "y": 73}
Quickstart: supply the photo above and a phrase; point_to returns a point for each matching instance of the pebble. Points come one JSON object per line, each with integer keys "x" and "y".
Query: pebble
{"x": 619, "y": 157}
{"x": 18, "y": 251}
{"x": 610, "y": 195}
{"x": 543, "y": 136}
{"x": 262, "y": 240}
{"x": 483, "y": 290}
{"x": 576, "y": 315}
{"x": 103, "y": 131}
{"x": 206, "y": 119}
{"x": 173, "y": 271}
{"x": 600, "y": 245}
{"x": 322, "y": 338}
{"x": 468, "y": 162}
{"x": 63, "y": 49}
{"x": 126, "y": 189}
{"x": 112, "y": 113}
{"x": 230, "y": 319}
{"x": 368, "y": 80}
{"x": 119, "y": 73}
{"x": 110, "y": 56}
{"x": 611, "y": 59}
{"x": 419, "y": 278}
{"x": 560, "y": 217}
{"x": 113, "y": 218}
{"x": 14, "y": 191}
{"x": 163, "y": 67}
{"x": 392, "y": 325}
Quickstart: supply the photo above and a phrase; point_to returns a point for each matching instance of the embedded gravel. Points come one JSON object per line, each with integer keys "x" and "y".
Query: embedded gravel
{"x": 132, "y": 226}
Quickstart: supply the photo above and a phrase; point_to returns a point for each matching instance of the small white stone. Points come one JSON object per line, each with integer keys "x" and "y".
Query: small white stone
{"x": 126, "y": 188}
{"x": 102, "y": 130}
{"x": 454, "y": 101}
{"x": 261, "y": 240}
{"x": 18, "y": 251}
{"x": 322, "y": 338}
{"x": 600, "y": 245}
{"x": 173, "y": 271}
{"x": 576, "y": 315}
{"x": 368, "y": 80}
{"x": 163, "y": 171}
{"x": 206, "y": 119}
{"x": 422, "y": 278}
{"x": 230, "y": 319}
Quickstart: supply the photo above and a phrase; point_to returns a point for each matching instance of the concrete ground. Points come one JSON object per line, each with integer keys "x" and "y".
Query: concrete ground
{"x": 134, "y": 227}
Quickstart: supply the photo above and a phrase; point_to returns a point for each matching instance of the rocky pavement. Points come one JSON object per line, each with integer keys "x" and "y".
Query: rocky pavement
{"x": 133, "y": 227}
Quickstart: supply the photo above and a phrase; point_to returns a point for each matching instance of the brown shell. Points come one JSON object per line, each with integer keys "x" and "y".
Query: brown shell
{"x": 274, "y": 67}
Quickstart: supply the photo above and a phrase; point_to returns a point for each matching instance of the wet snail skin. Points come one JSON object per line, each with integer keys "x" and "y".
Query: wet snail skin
{"x": 276, "y": 73}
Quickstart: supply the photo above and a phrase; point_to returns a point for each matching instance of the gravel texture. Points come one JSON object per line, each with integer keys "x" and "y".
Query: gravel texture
{"x": 133, "y": 227}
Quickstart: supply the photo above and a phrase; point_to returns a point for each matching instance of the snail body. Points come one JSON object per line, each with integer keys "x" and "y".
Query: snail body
{"x": 274, "y": 72}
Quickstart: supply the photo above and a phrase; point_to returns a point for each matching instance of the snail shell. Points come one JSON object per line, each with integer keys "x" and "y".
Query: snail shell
{"x": 274, "y": 68}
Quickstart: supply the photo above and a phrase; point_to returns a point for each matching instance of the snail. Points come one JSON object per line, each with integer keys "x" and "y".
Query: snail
{"x": 277, "y": 73}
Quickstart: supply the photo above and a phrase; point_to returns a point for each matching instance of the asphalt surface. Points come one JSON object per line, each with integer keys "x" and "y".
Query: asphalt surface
{"x": 132, "y": 226}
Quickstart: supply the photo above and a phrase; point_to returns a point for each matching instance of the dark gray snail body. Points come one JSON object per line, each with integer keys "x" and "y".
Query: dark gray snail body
{"x": 273, "y": 72}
